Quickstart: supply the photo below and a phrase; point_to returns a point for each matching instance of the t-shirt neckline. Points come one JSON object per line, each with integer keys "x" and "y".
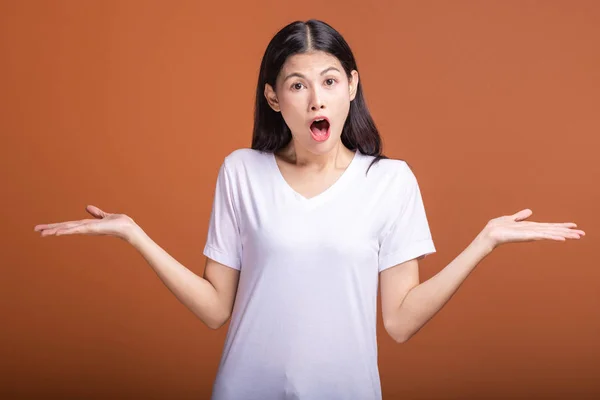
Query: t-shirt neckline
{"x": 324, "y": 195}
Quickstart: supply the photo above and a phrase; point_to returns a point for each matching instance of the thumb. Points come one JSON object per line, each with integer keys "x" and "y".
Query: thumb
{"x": 95, "y": 211}
{"x": 523, "y": 214}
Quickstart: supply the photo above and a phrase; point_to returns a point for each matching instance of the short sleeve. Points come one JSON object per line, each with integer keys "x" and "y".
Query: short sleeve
{"x": 223, "y": 243}
{"x": 409, "y": 236}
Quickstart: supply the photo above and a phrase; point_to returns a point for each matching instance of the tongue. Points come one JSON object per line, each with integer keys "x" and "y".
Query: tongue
{"x": 318, "y": 132}
{"x": 319, "y": 128}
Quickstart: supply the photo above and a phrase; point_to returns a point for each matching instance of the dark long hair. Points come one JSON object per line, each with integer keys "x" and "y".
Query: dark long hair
{"x": 271, "y": 133}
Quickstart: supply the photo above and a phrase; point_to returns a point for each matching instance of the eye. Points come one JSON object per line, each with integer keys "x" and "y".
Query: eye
{"x": 330, "y": 79}
{"x": 294, "y": 86}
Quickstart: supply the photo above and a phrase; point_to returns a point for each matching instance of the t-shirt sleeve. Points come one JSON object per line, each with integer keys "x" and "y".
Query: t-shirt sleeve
{"x": 223, "y": 243}
{"x": 409, "y": 236}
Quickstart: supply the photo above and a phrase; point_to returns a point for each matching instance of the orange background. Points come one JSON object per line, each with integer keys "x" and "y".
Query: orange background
{"x": 132, "y": 106}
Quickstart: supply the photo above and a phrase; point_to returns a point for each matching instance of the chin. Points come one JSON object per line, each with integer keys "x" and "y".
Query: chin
{"x": 325, "y": 146}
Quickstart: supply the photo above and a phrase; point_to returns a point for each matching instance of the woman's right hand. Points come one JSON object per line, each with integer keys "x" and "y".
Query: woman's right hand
{"x": 118, "y": 225}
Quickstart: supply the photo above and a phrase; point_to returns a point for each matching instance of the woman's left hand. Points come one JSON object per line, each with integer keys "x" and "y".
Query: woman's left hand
{"x": 513, "y": 228}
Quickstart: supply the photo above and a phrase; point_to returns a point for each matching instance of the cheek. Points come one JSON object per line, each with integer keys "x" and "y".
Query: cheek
{"x": 292, "y": 109}
{"x": 342, "y": 110}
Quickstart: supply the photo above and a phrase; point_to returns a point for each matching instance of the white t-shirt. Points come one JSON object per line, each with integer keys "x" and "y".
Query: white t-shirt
{"x": 304, "y": 319}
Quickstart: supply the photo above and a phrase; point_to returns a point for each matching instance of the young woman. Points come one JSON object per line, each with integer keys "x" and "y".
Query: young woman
{"x": 305, "y": 226}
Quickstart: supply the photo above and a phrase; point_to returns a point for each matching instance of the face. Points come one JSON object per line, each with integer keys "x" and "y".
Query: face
{"x": 313, "y": 85}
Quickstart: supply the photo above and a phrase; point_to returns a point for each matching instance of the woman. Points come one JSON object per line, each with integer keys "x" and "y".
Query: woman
{"x": 304, "y": 227}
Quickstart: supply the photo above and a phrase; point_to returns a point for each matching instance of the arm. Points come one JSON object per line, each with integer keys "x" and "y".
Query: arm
{"x": 210, "y": 298}
{"x": 407, "y": 305}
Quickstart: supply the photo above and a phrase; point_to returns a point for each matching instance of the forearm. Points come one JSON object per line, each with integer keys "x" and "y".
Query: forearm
{"x": 195, "y": 292}
{"x": 423, "y": 301}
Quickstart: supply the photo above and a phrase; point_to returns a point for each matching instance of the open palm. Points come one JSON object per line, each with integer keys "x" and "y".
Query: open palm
{"x": 103, "y": 224}
{"x": 514, "y": 228}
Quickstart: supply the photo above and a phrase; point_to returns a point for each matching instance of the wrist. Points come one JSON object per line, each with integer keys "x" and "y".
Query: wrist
{"x": 132, "y": 233}
{"x": 484, "y": 242}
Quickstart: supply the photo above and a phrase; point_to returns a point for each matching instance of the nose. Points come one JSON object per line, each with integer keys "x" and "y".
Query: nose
{"x": 316, "y": 100}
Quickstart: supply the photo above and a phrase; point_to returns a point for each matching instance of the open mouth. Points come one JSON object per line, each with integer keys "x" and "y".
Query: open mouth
{"x": 320, "y": 129}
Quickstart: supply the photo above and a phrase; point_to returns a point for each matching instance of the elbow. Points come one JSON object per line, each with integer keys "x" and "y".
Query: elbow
{"x": 217, "y": 321}
{"x": 396, "y": 332}
{"x": 213, "y": 325}
{"x": 399, "y": 337}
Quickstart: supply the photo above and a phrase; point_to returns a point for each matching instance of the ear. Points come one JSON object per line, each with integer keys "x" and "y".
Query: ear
{"x": 353, "y": 84}
{"x": 271, "y": 97}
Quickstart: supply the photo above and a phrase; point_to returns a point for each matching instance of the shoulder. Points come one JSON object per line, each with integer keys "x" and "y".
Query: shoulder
{"x": 388, "y": 170}
{"x": 244, "y": 158}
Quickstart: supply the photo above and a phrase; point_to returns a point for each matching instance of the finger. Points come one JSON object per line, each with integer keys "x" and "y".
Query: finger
{"x": 543, "y": 236}
{"x": 566, "y": 233}
{"x": 547, "y": 227}
{"x": 556, "y": 224}
{"x": 577, "y": 231}
{"x": 523, "y": 214}
{"x": 59, "y": 224}
{"x": 548, "y": 236}
{"x": 71, "y": 231}
{"x": 558, "y": 231}
{"x": 529, "y": 235}
{"x": 53, "y": 231}
{"x": 49, "y": 226}
{"x": 62, "y": 232}
{"x": 96, "y": 212}
{"x": 79, "y": 229}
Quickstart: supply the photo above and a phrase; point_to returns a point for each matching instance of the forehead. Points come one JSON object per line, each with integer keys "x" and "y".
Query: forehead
{"x": 306, "y": 62}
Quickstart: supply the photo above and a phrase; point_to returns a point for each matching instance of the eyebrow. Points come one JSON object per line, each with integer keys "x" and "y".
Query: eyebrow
{"x": 299, "y": 75}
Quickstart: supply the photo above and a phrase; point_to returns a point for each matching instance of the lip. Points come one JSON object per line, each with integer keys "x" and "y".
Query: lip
{"x": 320, "y": 117}
{"x": 324, "y": 138}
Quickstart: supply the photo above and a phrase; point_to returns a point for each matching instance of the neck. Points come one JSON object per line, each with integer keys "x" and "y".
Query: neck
{"x": 339, "y": 157}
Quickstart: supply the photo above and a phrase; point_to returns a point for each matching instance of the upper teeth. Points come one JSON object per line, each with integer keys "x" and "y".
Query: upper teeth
{"x": 319, "y": 120}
